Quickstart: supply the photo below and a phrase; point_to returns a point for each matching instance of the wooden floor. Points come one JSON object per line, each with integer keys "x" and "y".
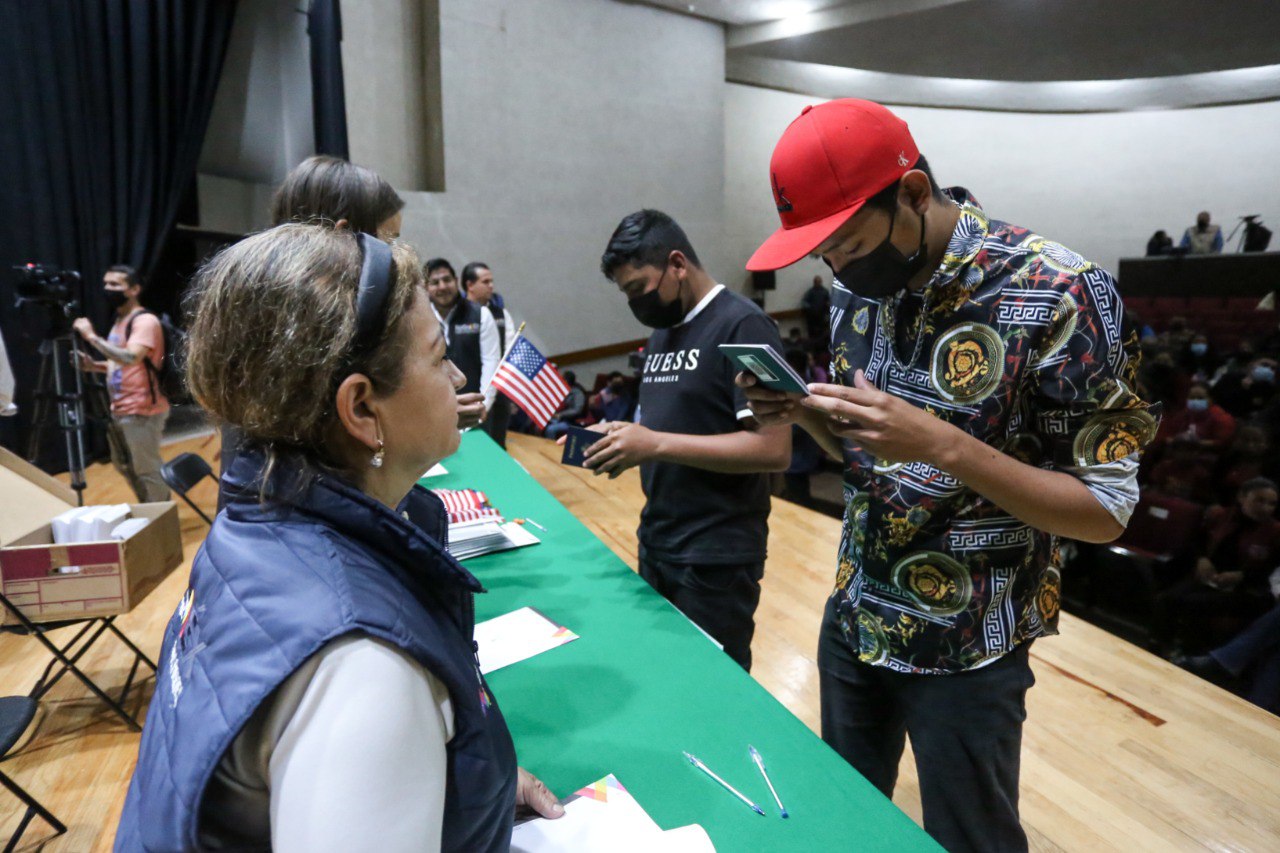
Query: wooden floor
{"x": 1122, "y": 751}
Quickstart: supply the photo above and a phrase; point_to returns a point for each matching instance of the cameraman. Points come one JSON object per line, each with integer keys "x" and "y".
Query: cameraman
{"x": 138, "y": 405}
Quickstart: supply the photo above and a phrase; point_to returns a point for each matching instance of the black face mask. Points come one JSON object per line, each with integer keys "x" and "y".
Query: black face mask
{"x": 116, "y": 299}
{"x": 652, "y": 311}
{"x": 884, "y": 270}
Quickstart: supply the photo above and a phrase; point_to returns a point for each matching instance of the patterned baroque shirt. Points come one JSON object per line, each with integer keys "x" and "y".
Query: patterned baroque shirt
{"x": 1021, "y": 343}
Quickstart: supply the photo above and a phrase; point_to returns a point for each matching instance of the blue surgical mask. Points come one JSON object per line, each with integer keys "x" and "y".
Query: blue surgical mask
{"x": 1199, "y": 349}
{"x": 1198, "y": 405}
{"x": 1263, "y": 373}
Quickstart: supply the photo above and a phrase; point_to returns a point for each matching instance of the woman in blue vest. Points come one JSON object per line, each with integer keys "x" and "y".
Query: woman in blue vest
{"x": 319, "y": 688}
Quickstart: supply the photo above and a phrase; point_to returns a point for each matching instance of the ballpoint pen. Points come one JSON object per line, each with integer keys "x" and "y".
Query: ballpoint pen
{"x": 732, "y": 790}
{"x": 755, "y": 756}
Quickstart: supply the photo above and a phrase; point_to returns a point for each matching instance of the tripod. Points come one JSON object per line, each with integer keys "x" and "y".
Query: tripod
{"x": 1254, "y": 237}
{"x": 60, "y": 404}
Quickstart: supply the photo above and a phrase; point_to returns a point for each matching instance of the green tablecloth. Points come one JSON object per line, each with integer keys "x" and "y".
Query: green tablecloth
{"x": 642, "y": 684}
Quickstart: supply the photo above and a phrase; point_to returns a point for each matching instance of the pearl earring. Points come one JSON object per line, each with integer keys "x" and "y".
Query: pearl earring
{"x": 378, "y": 457}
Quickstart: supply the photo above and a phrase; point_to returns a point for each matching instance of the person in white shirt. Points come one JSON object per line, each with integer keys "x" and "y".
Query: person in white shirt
{"x": 477, "y": 283}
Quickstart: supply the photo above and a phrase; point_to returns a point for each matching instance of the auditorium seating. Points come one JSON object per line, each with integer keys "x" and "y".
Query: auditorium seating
{"x": 1116, "y": 585}
{"x": 1227, "y": 320}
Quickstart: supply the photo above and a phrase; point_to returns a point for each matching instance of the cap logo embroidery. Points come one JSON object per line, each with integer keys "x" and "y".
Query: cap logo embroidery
{"x": 902, "y": 159}
{"x": 784, "y": 205}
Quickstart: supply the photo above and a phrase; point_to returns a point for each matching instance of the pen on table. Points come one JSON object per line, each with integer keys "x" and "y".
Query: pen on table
{"x": 531, "y": 521}
{"x": 732, "y": 790}
{"x": 755, "y": 756}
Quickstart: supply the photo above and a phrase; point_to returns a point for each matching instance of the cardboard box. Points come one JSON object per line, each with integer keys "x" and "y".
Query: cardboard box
{"x": 113, "y": 576}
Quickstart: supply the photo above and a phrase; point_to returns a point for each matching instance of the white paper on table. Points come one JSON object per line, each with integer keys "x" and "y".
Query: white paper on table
{"x": 687, "y": 839}
{"x": 437, "y": 470}
{"x": 604, "y": 816}
{"x": 516, "y": 636}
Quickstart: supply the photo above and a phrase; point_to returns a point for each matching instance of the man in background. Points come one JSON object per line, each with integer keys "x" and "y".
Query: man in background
{"x": 134, "y": 351}
{"x": 477, "y": 283}
{"x": 471, "y": 338}
{"x": 573, "y": 407}
{"x": 1203, "y": 238}
{"x": 7, "y": 407}
{"x": 815, "y": 305}
{"x": 613, "y": 402}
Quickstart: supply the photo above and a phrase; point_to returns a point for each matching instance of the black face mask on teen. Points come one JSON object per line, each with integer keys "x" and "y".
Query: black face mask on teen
{"x": 884, "y": 270}
{"x": 652, "y": 311}
{"x": 116, "y": 299}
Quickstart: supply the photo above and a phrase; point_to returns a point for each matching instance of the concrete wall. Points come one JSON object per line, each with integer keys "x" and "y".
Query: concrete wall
{"x": 1099, "y": 183}
{"x": 559, "y": 117}
{"x": 261, "y": 125}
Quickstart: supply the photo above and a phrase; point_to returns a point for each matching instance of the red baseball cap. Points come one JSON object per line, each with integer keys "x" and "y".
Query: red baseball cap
{"x": 828, "y": 162}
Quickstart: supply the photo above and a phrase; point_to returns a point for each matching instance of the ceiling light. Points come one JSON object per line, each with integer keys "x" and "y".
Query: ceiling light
{"x": 779, "y": 10}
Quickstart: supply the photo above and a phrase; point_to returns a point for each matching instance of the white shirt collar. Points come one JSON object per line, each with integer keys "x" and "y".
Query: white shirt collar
{"x": 706, "y": 300}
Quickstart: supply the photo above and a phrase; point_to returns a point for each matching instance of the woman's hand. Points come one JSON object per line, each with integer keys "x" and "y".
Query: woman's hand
{"x": 533, "y": 796}
{"x": 1229, "y": 580}
{"x": 1205, "y": 572}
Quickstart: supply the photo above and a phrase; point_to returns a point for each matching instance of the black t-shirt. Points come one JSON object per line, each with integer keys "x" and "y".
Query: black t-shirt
{"x": 695, "y": 516}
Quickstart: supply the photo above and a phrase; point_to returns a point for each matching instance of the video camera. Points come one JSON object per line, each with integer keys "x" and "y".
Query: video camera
{"x": 48, "y": 286}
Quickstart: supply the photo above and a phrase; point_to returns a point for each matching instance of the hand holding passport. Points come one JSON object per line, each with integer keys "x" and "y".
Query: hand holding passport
{"x": 769, "y": 368}
{"x": 576, "y": 442}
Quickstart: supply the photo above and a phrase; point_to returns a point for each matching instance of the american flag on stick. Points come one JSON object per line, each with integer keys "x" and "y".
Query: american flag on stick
{"x": 530, "y": 381}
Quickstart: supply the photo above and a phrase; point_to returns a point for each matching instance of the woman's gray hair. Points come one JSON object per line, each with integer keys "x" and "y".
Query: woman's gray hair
{"x": 273, "y": 319}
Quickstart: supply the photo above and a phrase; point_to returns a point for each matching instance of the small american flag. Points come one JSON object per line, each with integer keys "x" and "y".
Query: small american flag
{"x": 466, "y": 505}
{"x": 531, "y": 382}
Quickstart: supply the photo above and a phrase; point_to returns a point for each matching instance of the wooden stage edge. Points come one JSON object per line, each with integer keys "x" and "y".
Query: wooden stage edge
{"x": 1121, "y": 751}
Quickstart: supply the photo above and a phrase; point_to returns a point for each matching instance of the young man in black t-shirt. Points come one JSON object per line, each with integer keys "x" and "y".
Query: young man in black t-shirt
{"x": 703, "y": 458}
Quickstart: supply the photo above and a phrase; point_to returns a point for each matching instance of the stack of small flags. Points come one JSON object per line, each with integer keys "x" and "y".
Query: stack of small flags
{"x": 467, "y": 505}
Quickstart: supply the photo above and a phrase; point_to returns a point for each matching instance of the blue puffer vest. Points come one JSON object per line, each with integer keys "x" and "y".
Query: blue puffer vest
{"x": 272, "y": 584}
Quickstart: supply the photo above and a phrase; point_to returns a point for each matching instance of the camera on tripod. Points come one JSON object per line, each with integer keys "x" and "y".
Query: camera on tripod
{"x": 47, "y": 286}
{"x": 60, "y": 393}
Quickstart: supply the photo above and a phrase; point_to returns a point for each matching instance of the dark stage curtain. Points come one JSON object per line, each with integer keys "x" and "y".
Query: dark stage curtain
{"x": 103, "y": 111}
{"x": 328, "y": 96}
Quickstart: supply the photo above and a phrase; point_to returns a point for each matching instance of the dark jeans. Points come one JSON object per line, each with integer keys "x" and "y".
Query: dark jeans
{"x": 720, "y": 600}
{"x": 1255, "y": 653}
{"x": 966, "y": 732}
{"x": 1196, "y": 616}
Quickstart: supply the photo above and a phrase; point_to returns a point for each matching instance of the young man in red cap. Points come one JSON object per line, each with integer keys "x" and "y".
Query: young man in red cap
{"x": 985, "y": 407}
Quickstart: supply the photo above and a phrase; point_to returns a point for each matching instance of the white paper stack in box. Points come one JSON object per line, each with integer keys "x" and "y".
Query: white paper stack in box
{"x": 113, "y": 575}
{"x": 129, "y": 527}
{"x": 107, "y": 519}
{"x": 88, "y": 523}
